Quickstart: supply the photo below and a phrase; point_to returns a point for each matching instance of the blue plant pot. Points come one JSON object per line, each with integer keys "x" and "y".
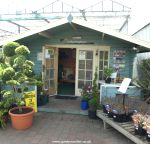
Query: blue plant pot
{"x": 84, "y": 105}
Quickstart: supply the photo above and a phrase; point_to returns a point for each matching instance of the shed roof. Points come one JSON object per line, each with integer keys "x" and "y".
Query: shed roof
{"x": 83, "y": 23}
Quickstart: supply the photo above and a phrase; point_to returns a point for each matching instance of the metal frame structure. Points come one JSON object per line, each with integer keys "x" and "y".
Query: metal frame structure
{"x": 102, "y": 13}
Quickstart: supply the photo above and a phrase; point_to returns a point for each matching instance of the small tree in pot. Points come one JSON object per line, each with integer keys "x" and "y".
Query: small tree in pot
{"x": 94, "y": 101}
{"x": 17, "y": 75}
{"x": 107, "y": 74}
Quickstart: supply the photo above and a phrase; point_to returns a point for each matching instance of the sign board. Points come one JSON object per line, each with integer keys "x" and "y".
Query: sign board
{"x": 124, "y": 85}
{"x": 31, "y": 100}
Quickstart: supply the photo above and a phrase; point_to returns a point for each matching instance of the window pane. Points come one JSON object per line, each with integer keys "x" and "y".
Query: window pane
{"x": 80, "y": 84}
{"x": 88, "y": 75}
{"x": 81, "y": 74}
{"x": 88, "y": 83}
{"x": 89, "y": 64}
{"x": 47, "y": 74}
{"x": 100, "y": 75}
{"x": 52, "y": 83}
{"x": 46, "y": 84}
{"x": 106, "y": 55}
{"x": 89, "y": 55}
{"x": 82, "y": 55}
{"x": 52, "y": 74}
{"x": 81, "y": 64}
{"x": 52, "y": 63}
{"x": 101, "y": 65}
{"x": 101, "y": 54}
{"x": 105, "y": 63}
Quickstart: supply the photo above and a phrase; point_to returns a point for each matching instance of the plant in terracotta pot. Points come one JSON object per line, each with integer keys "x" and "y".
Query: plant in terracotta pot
{"x": 17, "y": 76}
{"x": 107, "y": 74}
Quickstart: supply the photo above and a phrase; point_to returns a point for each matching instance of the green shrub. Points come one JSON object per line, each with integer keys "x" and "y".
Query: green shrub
{"x": 9, "y": 48}
{"x": 8, "y": 73}
{"x": 20, "y": 60}
{"x": 22, "y": 50}
{"x": 93, "y": 104}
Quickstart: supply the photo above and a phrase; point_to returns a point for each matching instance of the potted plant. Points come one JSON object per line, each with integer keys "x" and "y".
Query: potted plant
{"x": 107, "y": 74}
{"x": 18, "y": 76}
{"x": 94, "y": 101}
{"x": 93, "y": 105}
{"x": 85, "y": 96}
{"x": 138, "y": 120}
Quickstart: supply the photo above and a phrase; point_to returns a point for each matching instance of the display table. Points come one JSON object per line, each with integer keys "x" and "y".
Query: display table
{"x": 110, "y": 90}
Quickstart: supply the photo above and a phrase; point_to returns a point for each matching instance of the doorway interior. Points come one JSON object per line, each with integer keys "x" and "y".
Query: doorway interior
{"x": 66, "y": 71}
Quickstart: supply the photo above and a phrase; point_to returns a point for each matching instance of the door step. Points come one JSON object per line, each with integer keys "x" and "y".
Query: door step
{"x": 72, "y": 97}
{"x": 53, "y": 110}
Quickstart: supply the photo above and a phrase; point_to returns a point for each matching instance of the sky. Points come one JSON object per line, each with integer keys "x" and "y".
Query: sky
{"x": 139, "y": 15}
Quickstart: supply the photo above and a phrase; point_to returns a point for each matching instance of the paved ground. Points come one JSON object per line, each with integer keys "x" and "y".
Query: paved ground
{"x": 56, "y": 128}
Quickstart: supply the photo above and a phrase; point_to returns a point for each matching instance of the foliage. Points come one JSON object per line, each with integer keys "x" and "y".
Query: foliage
{"x": 86, "y": 92}
{"x": 17, "y": 72}
{"x": 8, "y": 73}
{"x": 94, "y": 101}
{"x": 108, "y": 72}
{"x": 22, "y": 50}
{"x": 9, "y": 48}
{"x": 93, "y": 104}
{"x": 141, "y": 120}
{"x": 5, "y": 105}
{"x": 144, "y": 79}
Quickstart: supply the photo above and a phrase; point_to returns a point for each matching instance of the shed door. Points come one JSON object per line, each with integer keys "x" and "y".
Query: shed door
{"x": 50, "y": 69}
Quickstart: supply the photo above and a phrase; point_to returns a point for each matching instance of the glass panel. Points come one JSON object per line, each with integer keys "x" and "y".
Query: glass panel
{"x": 106, "y": 55}
{"x": 51, "y": 83}
{"x": 80, "y": 84}
{"x": 52, "y": 74}
{"x": 81, "y": 74}
{"x": 105, "y": 63}
{"x": 46, "y": 84}
{"x": 81, "y": 64}
{"x": 88, "y": 83}
{"x": 101, "y": 54}
{"x": 52, "y": 63}
{"x": 100, "y": 75}
{"x": 47, "y": 73}
{"x": 89, "y": 64}
{"x": 101, "y": 65}
{"x": 82, "y": 55}
{"x": 89, "y": 55}
{"x": 88, "y": 75}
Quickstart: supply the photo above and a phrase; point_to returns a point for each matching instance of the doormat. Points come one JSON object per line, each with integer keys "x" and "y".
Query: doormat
{"x": 66, "y": 97}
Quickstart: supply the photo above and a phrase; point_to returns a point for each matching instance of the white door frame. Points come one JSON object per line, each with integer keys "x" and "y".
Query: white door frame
{"x": 94, "y": 48}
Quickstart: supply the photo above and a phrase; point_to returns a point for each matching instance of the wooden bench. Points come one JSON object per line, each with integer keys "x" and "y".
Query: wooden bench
{"x": 126, "y": 128}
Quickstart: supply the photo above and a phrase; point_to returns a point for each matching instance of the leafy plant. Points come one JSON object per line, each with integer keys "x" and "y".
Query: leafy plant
{"x": 17, "y": 73}
{"x": 144, "y": 78}
{"x": 93, "y": 104}
{"x": 86, "y": 92}
{"x": 94, "y": 101}
{"x": 108, "y": 72}
{"x": 9, "y": 48}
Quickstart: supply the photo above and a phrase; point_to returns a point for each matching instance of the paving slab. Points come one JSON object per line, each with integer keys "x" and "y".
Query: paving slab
{"x": 58, "y": 128}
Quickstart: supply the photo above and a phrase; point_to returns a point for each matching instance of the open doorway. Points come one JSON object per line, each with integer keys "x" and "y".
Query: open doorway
{"x": 66, "y": 71}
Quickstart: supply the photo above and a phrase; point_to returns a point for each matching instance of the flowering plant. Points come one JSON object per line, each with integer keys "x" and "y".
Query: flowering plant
{"x": 146, "y": 123}
{"x": 86, "y": 92}
{"x": 141, "y": 120}
{"x": 138, "y": 119}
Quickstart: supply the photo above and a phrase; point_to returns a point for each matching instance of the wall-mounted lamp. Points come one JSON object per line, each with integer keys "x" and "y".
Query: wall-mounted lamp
{"x": 135, "y": 49}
